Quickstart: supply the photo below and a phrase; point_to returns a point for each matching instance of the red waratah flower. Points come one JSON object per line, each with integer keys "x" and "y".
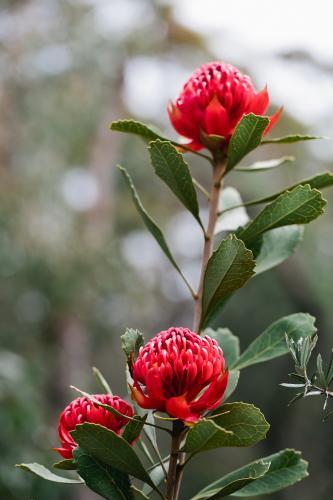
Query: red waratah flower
{"x": 213, "y": 101}
{"x": 84, "y": 410}
{"x": 180, "y": 373}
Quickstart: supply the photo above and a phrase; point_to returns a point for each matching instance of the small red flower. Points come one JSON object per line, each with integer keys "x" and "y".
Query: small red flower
{"x": 84, "y": 410}
{"x": 213, "y": 101}
{"x": 180, "y": 373}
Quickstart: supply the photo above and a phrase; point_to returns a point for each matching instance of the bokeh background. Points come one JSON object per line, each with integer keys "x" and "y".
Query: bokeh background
{"x": 76, "y": 264}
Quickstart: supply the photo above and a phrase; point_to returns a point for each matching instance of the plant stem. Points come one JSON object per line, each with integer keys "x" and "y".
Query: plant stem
{"x": 217, "y": 183}
{"x": 175, "y": 467}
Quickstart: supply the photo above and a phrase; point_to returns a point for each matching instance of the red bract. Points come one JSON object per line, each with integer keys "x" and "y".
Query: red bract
{"x": 84, "y": 410}
{"x": 213, "y": 101}
{"x": 180, "y": 373}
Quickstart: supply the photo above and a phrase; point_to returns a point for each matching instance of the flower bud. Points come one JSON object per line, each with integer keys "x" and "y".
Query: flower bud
{"x": 180, "y": 373}
{"x": 213, "y": 101}
{"x": 84, "y": 410}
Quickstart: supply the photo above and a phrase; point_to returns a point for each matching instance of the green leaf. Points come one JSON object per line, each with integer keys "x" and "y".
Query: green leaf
{"x": 286, "y": 468}
{"x": 271, "y": 343}
{"x": 131, "y": 342}
{"x": 138, "y": 494}
{"x": 329, "y": 373}
{"x": 288, "y": 139}
{"x": 246, "y": 137}
{"x": 233, "y": 379}
{"x": 43, "y": 472}
{"x": 110, "y": 449}
{"x": 171, "y": 167}
{"x": 157, "y": 475}
{"x": 205, "y": 435}
{"x": 101, "y": 380}
{"x": 136, "y": 128}
{"x": 65, "y": 465}
{"x": 104, "y": 480}
{"x": 299, "y": 206}
{"x": 320, "y": 371}
{"x": 276, "y": 246}
{"x": 283, "y": 469}
{"x": 234, "y": 481}
{"x": 246, "y": 422}
{"x": 319, "y": 181}
{"x": 233, "y": 424}
{"x": 260, "y": 166}
{"x": 151, "y": 224}
{"x": 133, "y": 428}
{"x": 228, "y": 269}
{"x": 229, "y": 343}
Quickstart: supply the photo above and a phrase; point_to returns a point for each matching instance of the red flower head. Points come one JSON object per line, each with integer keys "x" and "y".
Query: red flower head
{"x": 180, "y": 373}
{"x": 84, "y": 410}
{"x": 213, "y": 101}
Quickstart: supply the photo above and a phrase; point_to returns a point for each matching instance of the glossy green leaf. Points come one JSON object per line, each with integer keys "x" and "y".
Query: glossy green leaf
{"x": 111, "y": 449}
{"x": 286, "y": 468}
{"x": 136, "y": 128}
{"x": 288, "y": 139}
{"x": 272, "y": 344}
{"x": 276, "y": 246}
{"x": 233, "y": 424}
{"x": 171, "y": 167}
{"x": 43, "y": 472}
{"x": 298, "y": 206}
{"x": 246, "y": 137}
{"x": 233, "y": 481}
{"x": 150, "y": 223}
{"x": 228, "y": 269}
{"x": 319, "y": 181}
{"x": 261, "y": 166}
{"x": 104, "y": 480}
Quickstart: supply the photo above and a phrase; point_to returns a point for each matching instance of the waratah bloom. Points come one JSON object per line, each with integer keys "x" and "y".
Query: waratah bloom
{"x": 213, "y": 101}
{"x": 84, "y": 410}
{"x": 180, "y": 373}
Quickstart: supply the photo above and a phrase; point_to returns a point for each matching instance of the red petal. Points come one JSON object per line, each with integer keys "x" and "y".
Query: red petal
{"x": 181, "y": 123}
{"x": 212, "y": 397}
{"x": 140, "y": 398}
{"x": 259, "y": 103}
{"x": 273, "y": 120}
{"x": 216, "y": 118}
{"x": 178, "y": 407}
{"x": 64, "y": 452}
